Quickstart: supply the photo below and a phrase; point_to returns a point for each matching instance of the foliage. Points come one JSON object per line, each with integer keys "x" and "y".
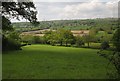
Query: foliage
{"x": 114, "y": 57}
{"x": 87, "y": 39}
{"x": 14, "y": 35}
{"x": 16, "y": 10}
{"x": 47, "y": 37}
{"x": 68, "y": 37}
{"x": 91, "y": 37}
{"x": 29, "y": 39}
{"x": 38, "y": 40}
{"x": 79, "y": 41}
{"x": 116, "y": 40}
{"x": 6, "y": 24}
{"x": 86, "y": 24}
{"x": 53, "y": 38}
{"x": 11, "y": 41}
{"x": 19, "y": 9}
{"x": 59, "y": 37}
{"x": 105, "y": 45}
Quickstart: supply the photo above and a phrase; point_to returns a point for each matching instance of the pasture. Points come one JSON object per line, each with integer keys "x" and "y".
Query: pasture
{"x": 53, "y": 62}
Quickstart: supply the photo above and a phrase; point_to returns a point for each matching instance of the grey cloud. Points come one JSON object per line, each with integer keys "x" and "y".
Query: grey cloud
{"x": 72, "y": 9}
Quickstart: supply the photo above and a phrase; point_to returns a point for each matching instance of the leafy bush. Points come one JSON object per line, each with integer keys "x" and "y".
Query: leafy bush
{"x": 105, "y": 45}
{"x": 28, "y": 39}
{"x": 79, "y": 41}
{"x": 8, "y": 43}
{"x": 60, "y": 36}
{"x": 38, "y": 40}
{"x": 113, "y": 56}
{"x": 24, "y": 44}
{"x": 116, "y": 39}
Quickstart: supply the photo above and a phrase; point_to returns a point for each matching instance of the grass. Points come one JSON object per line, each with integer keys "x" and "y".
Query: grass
{"x": 53, "y": 62}
{"x": 97, "y": 45}
{"x": 94, "y": 45}
{"x": 77, "y": 27}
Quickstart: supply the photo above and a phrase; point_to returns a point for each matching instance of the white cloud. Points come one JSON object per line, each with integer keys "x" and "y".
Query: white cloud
{"x": 73, "y": 0}
{"x": 92, "y": 9}
{"x": 75, "y": 9}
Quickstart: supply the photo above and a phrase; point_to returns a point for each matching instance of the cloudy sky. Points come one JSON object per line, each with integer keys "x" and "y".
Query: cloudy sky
{"x": 75, "y": 9}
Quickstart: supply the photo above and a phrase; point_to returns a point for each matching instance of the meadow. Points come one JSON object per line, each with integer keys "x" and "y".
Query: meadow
{"x": 53, "y": 62}
{"x": 72, "y": 48}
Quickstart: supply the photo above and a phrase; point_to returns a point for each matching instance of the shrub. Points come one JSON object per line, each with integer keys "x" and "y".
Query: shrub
{"x": 10, "y": 44}
{"x": 24, "y": 44}
{"x": 36, "y": 40}
{"x": 109, "y": 32}
{"x": 11, "y": 41}
{"x": 79, "y": 41}
{"x": 105, "y": 45}
{"x": 28, "y": 39}
{"x": 116, "y": 39}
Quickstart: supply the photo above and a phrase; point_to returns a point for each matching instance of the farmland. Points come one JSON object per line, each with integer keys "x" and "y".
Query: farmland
{"x": 42, "y": 32}
{"x": 49, "y": 62}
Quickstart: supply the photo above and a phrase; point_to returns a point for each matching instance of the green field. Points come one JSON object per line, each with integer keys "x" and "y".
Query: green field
{"x": 53, "y": 62}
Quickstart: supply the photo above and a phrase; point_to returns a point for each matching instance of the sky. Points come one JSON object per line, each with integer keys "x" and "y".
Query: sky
{"x": 74, "y": 9}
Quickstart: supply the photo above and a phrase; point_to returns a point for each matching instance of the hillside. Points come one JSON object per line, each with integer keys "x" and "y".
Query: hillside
{"x": 86, "y": 24}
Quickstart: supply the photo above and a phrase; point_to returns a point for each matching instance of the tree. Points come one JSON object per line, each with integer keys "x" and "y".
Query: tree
{"x": 19, "y": 9}
{"x": 79, "y": 41}
{"x": 67, "y": 37}
{"x": 53, "y": 38}
{"x": 28, "y": 39}
{"x": 90, "y": 37}
{"x": 114, "y": 57}
{"x": 6, "y": 24}
{"x": 60, "y": 36}
{"x": 47, "y": 37}
{"x": 87, "y": 39}
{"x": 15, "y": 10}
{"x": 36, "y": 40}
{"x": 116, "y": 40}
{"x": 11, "y": 42}
{"x": 106, "y": 37}
{"x": 105, "y": 45}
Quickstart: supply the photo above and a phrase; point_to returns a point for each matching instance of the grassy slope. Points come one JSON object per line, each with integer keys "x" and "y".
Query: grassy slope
{"x": 43, "y": 61}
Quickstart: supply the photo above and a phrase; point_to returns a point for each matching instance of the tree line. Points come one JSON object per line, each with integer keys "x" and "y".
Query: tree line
{"x": 60, "y": 37}
{"x": 106, "y": 24}
{"x": 16, "y": 10}
{"x": 64, "y": 37}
